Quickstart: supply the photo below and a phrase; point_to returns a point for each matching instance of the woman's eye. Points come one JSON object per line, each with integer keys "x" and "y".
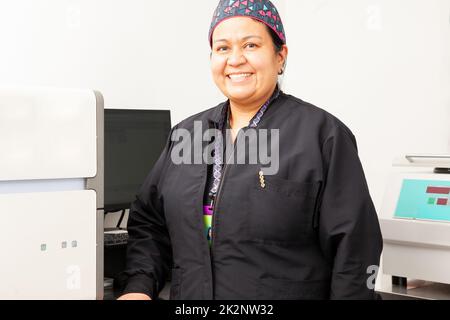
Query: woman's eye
{"x": 250, "y": 45}
{"x": 221, "y": 49}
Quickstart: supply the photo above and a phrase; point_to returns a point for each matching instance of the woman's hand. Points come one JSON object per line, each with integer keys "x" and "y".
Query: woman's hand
{"x": 134, "y": 296}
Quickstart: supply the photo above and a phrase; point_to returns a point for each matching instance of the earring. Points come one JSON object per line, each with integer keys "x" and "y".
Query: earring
{"x": 280, "y": 72}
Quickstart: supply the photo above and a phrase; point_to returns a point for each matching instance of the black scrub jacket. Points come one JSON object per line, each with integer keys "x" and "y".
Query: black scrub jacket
{"x": 311, "y": 233}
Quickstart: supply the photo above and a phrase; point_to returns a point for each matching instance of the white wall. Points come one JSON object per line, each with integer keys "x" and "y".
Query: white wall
{"x": 137, "y": 56}
{"x": 138, "y": 53}
{"x": 382, "y": 67}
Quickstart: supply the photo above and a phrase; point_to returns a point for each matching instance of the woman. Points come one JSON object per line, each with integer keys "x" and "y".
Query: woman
{"x": 303, "y": 228}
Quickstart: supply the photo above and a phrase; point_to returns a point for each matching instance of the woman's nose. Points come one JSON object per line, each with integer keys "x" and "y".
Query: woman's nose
{"x": 236, "y": 58}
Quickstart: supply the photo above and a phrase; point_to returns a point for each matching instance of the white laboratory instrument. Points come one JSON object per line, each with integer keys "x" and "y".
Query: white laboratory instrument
{"x": 51, "y": 190}
{"x": 415, "y": 219}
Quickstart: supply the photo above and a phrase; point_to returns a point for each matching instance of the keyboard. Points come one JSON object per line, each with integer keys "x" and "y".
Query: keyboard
{"x": 115, "y": 237}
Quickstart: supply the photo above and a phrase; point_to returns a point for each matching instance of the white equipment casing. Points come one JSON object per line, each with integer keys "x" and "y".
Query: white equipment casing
{"x": 51, "y": 190}
{"x": 416, "y": 249}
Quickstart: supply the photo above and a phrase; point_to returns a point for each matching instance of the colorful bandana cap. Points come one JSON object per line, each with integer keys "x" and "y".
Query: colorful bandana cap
{"x": 261, "y": 10}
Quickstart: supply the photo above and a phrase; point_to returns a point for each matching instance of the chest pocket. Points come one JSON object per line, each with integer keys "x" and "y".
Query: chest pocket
{"x": 281, "y": 211}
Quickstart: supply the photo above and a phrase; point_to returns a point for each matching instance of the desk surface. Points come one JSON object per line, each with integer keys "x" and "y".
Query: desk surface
{"x": 415, "y": 289}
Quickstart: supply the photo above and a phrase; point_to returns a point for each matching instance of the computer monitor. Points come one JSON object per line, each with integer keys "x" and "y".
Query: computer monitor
{"x": 134, "y": 140}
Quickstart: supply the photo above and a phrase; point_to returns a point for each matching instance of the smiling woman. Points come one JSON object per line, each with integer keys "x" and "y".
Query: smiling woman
{"x": 238, "y": 230}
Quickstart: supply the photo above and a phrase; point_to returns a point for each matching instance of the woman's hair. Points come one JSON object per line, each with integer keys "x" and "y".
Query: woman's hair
{"x": 277, "y": 42}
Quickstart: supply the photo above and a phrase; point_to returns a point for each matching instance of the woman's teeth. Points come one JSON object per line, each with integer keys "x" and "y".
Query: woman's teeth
{"x": 240, "y": 76}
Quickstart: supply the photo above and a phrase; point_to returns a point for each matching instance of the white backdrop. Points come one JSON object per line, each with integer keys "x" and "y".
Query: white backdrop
{"x": 382, "y": 67}
{"x": 138, "y": 53}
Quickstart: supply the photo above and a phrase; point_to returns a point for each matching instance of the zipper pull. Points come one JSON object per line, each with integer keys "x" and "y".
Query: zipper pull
{"x": 212, "y": 202}
{"x": 262, "y": 180}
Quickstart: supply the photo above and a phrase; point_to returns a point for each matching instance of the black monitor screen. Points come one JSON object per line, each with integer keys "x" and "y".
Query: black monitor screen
{"x": 134, "y": 140}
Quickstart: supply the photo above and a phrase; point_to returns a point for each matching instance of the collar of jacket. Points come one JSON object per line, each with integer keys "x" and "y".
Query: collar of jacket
{"x": 220, "y": 111}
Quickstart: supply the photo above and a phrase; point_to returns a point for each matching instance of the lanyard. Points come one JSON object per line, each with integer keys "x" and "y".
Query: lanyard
{"x": 218, "y": 146}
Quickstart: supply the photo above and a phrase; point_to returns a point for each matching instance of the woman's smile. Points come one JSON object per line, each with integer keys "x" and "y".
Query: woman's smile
{"x": 240, "y": 78}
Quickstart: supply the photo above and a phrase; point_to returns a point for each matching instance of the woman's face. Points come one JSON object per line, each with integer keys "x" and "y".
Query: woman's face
{"x": 244, "y": 63}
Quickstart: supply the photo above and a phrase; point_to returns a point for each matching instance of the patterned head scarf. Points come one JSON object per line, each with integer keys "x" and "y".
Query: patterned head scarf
{"x": 261, "y": 10}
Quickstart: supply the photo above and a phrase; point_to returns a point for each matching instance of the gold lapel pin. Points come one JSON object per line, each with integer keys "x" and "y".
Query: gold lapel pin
{"x": 262, "y": 179}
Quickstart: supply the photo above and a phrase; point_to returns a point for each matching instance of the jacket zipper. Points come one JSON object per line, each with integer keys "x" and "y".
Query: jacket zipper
{"x": 215, "y": 205}
{"x": 216, "y": 201}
